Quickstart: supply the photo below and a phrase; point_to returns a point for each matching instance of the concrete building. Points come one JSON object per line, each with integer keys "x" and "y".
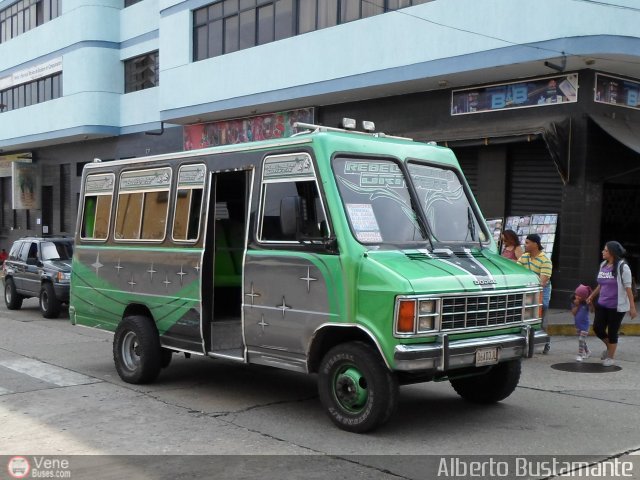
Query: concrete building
{"x": 539, "y": 100}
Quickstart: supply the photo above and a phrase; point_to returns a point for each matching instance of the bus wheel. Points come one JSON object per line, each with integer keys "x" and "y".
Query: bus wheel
{"x": 49, "y": 304}
{"x": 165, "y": 357}
{"x": 11, "y": 297}
{"x": 136, "y": 350}
{"x": 493, "y": 386}
{"x": 356, "y": 388}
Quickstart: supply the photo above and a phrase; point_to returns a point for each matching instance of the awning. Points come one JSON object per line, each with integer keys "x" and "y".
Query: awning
{"x": 555, "y": 131}
{"x": 625, "y": 131}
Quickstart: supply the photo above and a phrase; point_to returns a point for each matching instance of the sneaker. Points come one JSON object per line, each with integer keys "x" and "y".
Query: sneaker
{"x": 546, "y": 349}
{"x": 608, "y": 362}
{"x": 586, "y": 355}
{"x": 604, "y": 354}
{"x": 579, "y": 358}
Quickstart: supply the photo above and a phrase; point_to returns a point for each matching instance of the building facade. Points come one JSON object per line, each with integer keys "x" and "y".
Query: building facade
{"x": 540, "y": 102}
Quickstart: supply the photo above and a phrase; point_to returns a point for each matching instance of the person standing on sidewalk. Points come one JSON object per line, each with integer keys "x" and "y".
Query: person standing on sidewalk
{"x": 511, "y": 248}
{"x": 615, "y": 298}
{"x": 580, "y": 310}
{"x": 535, "y": 260}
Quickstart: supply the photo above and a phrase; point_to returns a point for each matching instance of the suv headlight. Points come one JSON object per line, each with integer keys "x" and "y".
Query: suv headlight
{"x": 63, "y": 276}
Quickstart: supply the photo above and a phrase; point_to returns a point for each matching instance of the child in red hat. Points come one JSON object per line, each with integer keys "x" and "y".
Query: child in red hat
{"x": 580, "y": 310}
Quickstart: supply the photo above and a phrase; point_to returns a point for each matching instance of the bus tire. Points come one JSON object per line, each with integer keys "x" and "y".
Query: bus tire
{"x": 356, "y": 388}
{"x": 491, "y": 387}
{"x": 49, "y": 303}
{"x": 136, "y": 350}
{"x": 165, "y": 357}
{"x": 12, "y": 299}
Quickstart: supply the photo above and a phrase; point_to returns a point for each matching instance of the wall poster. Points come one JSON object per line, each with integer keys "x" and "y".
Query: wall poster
{"x": 25, "y": 186}
{"x": 617, "y": 91}
{"x": 495, "y": 228}
{"x": 531, "y": 93}
{"x": 544, "y": 224}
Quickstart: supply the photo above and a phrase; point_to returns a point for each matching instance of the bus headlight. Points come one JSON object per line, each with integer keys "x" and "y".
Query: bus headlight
{"x": 427, "y": 307}
{"x": 425, "y": 324}
{"x": 416, "y": 316}
{"x": 531, "y": 299}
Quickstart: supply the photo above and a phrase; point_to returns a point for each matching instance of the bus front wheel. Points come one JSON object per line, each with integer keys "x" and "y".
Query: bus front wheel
{"x": 136, "y": 350}
{"x": 495, "y": 385}
{"x": 356, "y": 388}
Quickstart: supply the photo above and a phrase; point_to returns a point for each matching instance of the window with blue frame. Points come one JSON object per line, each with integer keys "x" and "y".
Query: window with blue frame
{"x": 26, "y": 15}
{"x": 230, "y": 25}
{"x": 26, "y": 94}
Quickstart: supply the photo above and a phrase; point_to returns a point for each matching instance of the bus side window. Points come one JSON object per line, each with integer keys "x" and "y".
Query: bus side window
{"x": 313, "y": 221}
{"x": 143, "y": 204}
{"x": 96, "y": 208}
{"x": 186, "y": 220}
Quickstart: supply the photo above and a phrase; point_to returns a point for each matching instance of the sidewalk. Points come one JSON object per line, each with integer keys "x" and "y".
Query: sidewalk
{"x": 560, "y": 322}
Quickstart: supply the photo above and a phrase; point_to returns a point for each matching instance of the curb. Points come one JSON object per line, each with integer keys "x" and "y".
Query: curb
{"x": 632, "y": 329}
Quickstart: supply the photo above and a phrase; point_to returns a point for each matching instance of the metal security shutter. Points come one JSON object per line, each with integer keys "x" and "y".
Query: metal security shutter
{"x": 468, "y": 158}
{"x": 534, "y": 183}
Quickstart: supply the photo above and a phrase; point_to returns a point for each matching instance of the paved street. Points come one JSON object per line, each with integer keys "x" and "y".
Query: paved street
{"x": 60, "y": 395}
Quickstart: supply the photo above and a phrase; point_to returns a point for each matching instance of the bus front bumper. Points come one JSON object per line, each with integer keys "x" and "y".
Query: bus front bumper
{"x": 445, "y": 355}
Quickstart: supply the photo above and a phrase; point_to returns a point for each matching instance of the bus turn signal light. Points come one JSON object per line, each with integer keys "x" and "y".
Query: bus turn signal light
{"x": 407, "y": 316}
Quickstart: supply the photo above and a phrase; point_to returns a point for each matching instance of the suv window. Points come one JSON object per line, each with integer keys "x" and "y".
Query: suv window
{"x": 56, "y": 251}
{"x": 33, "y": 251}
{"x": 14, "y": 254}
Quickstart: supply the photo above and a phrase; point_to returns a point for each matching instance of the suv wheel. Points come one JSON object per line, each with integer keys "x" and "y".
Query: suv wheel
{"x": 11, "y": 297}
{"x": 49, "y": 303}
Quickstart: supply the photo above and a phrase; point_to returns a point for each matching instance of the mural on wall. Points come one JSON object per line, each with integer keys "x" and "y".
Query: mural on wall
{"x": 248, "y": 129}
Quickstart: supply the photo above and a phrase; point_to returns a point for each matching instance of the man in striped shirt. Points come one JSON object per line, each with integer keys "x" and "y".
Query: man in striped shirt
{"x": 535, "y": 260}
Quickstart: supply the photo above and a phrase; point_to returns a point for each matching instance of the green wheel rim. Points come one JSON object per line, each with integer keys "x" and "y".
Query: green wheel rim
{"x": 350, "y": 389}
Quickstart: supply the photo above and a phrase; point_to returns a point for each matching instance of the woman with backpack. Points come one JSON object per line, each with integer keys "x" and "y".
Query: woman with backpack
{"x": 615, "y": 298}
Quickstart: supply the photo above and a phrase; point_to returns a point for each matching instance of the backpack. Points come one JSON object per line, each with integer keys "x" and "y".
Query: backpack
{"x": 634, "y": 287}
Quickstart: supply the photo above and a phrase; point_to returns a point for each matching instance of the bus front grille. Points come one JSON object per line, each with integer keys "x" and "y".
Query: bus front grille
{"x": 481, "y": 311}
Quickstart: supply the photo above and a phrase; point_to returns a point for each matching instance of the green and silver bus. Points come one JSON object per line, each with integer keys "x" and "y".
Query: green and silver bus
{"x": 356, "y": 256}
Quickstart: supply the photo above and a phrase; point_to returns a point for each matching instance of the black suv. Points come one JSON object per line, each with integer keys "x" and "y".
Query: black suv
{"x": 38, "y": 267}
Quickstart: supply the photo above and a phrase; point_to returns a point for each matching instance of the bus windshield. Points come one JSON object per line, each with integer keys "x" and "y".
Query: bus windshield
{"x": 448, "y": 210}
{"x": 377, "y": 201}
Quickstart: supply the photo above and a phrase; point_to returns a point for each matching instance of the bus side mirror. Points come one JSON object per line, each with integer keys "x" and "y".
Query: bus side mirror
{"x": 290, "y": 214}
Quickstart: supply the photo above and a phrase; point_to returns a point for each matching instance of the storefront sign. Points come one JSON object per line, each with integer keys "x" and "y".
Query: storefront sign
{"x": 249, "y": 129}
{"x": 617, "y": 91}
{"x": 32, "y": 73}
{"x": 25, "y": 186}
{"x": 532, "y": 93}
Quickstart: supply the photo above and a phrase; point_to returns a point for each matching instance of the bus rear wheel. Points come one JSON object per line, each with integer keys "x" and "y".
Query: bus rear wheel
{"x": 136, "y": 350}
{"x": 356, "y": 388}
{"x": 491, "y": 387}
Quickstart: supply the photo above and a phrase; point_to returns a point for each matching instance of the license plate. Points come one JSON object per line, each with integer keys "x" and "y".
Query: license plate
{"x": 486, "y": 356}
